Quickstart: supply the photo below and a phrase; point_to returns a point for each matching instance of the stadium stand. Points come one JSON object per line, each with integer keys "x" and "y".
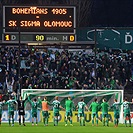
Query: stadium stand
{"x": 64, "y": 69}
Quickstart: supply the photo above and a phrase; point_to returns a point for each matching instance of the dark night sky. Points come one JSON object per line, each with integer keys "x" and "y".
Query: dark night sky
{"x": 112, "y": 13}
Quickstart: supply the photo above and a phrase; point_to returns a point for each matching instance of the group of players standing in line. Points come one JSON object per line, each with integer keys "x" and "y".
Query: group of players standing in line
{"x": 94, "y": 108}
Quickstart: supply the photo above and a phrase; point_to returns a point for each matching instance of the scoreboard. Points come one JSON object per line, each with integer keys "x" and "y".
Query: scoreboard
{"x": 27, "y": 38}
{"x": 39, "y": 23}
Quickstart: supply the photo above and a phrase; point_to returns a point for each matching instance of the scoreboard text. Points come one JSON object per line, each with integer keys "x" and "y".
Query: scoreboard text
{"x": 39, "y": 19}
{"x": 27, "y": 38}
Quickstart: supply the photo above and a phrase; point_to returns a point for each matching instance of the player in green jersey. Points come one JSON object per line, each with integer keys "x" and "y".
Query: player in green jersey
{"x": 1, "y": 106}
{"x": 104, "y": 107}
{"x": 126, "y": 109}
{"x": 11, "y": 107}
{"x": 94, "y": 107}
{"x": 69, "y": 107}
{"x": 116, "y": 107}
{"x": 81, "y": 108}
{"x": 56, "y": 107}
{"x": 34, "y": 109}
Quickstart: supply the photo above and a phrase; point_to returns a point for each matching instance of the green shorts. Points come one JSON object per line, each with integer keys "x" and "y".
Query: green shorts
{"x": 45, "y": 114}
{"x": 94, "y": 114}
{"x": 56, "y": 113}
{"x": 105, "y": 115}
{"x": 0, "y": 115}
{"x": 116, "y": 115}
{"x": 81, "y": 114}
{"x": 11, "y": 113}
{"x": 34, "y": 114}
{"x": 127, "y": 114}
{"x": 69, "y": 113}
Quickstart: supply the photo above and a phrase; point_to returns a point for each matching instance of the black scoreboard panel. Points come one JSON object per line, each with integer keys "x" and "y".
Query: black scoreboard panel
{"x": 49, "y": 38}
{"x": 36, "y": 19}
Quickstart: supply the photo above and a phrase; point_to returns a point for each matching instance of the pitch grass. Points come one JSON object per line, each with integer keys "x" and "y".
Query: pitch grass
{"x": 62, "y": 129}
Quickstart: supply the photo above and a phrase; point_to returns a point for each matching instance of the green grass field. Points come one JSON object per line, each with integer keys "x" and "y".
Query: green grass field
{"x": 62, "y": 129}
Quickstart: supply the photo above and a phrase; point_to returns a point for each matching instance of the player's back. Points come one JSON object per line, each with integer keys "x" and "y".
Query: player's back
{"x": 20, "y": 104}
{"x": 34, "y": 106}
{"x": 81, "y": 106}
{"x": 69, "y": 104}
{"x": 126, "y": 107}
{"x": 95, "y": 106}
{"x": 116, "y": 106}
{"x": 10, "y": 105}
{"x": 56, "y": 105}
{"x": 104, "y": 107}
{"x": 45, "y": 105}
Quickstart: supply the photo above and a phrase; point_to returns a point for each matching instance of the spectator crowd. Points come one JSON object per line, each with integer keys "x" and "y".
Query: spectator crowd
{"x": 64, "y": 69}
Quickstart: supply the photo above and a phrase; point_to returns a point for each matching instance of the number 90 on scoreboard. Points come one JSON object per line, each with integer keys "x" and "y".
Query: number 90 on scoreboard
{"x": 26, "y": 38}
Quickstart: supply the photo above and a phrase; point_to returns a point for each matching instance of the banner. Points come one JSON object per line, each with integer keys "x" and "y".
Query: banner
{"x": 61, "y": 118}
{"x": 27, "y": 116}
{"x": 121, "y": 38}
{"x": 75, "y": 118}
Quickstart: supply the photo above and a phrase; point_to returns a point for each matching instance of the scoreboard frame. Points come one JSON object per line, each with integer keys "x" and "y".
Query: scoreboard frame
{"x": 49, "y": 30}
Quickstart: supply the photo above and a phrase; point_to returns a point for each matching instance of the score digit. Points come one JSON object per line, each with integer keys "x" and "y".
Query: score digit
{"x": 59, "y": 11}
{"x": 7, "y": 37}
{"x": 40, "y": 38}
{"x": 71, "y": 38}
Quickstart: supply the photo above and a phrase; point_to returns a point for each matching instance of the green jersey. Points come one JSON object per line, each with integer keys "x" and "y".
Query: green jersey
{"x": 104, "y": 107}
{"x": 116, "y": 107}
{"x": 11, "y": 105}
{"x": 126, "y": 107}
{"x": 56, "y": 105}
{"x": 94, "y": 107}
{"x": 34, "y": 105}
{"x": 81, "y": 107}
{"x": 69, "y": 105}
{"x": 1, "y": 107}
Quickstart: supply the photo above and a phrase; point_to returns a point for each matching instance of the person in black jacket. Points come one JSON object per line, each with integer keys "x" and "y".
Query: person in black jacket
{"x": 21, "y": 110}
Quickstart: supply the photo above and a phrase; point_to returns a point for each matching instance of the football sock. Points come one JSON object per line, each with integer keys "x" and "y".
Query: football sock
{"x": 115, "y": 121}
{"x": 56, "y": 121}
{"x": 66, "y": 120}
{"x": 19, "y": 121}
{"x": 44, "y": 120}
{"x": 9, "y": 121}
{"x": 80, "y": 121}
{"x": 23, "y": 120}
{"x": 97, "y": 121}
{"x": 107, "y": 122}
{"x": 129, "y": 122}
{"x": 12, "y": 120}
{"x": 70, "y": 121}
{"x": 125, "y": 122}
{"x": 83, "y": 121}
{"x": 92, "y": 121}
{"x": 103, "y": 121}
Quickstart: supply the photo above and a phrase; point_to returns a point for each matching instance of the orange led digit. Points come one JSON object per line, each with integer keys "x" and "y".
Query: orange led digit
{"x": 59, "y": 11}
